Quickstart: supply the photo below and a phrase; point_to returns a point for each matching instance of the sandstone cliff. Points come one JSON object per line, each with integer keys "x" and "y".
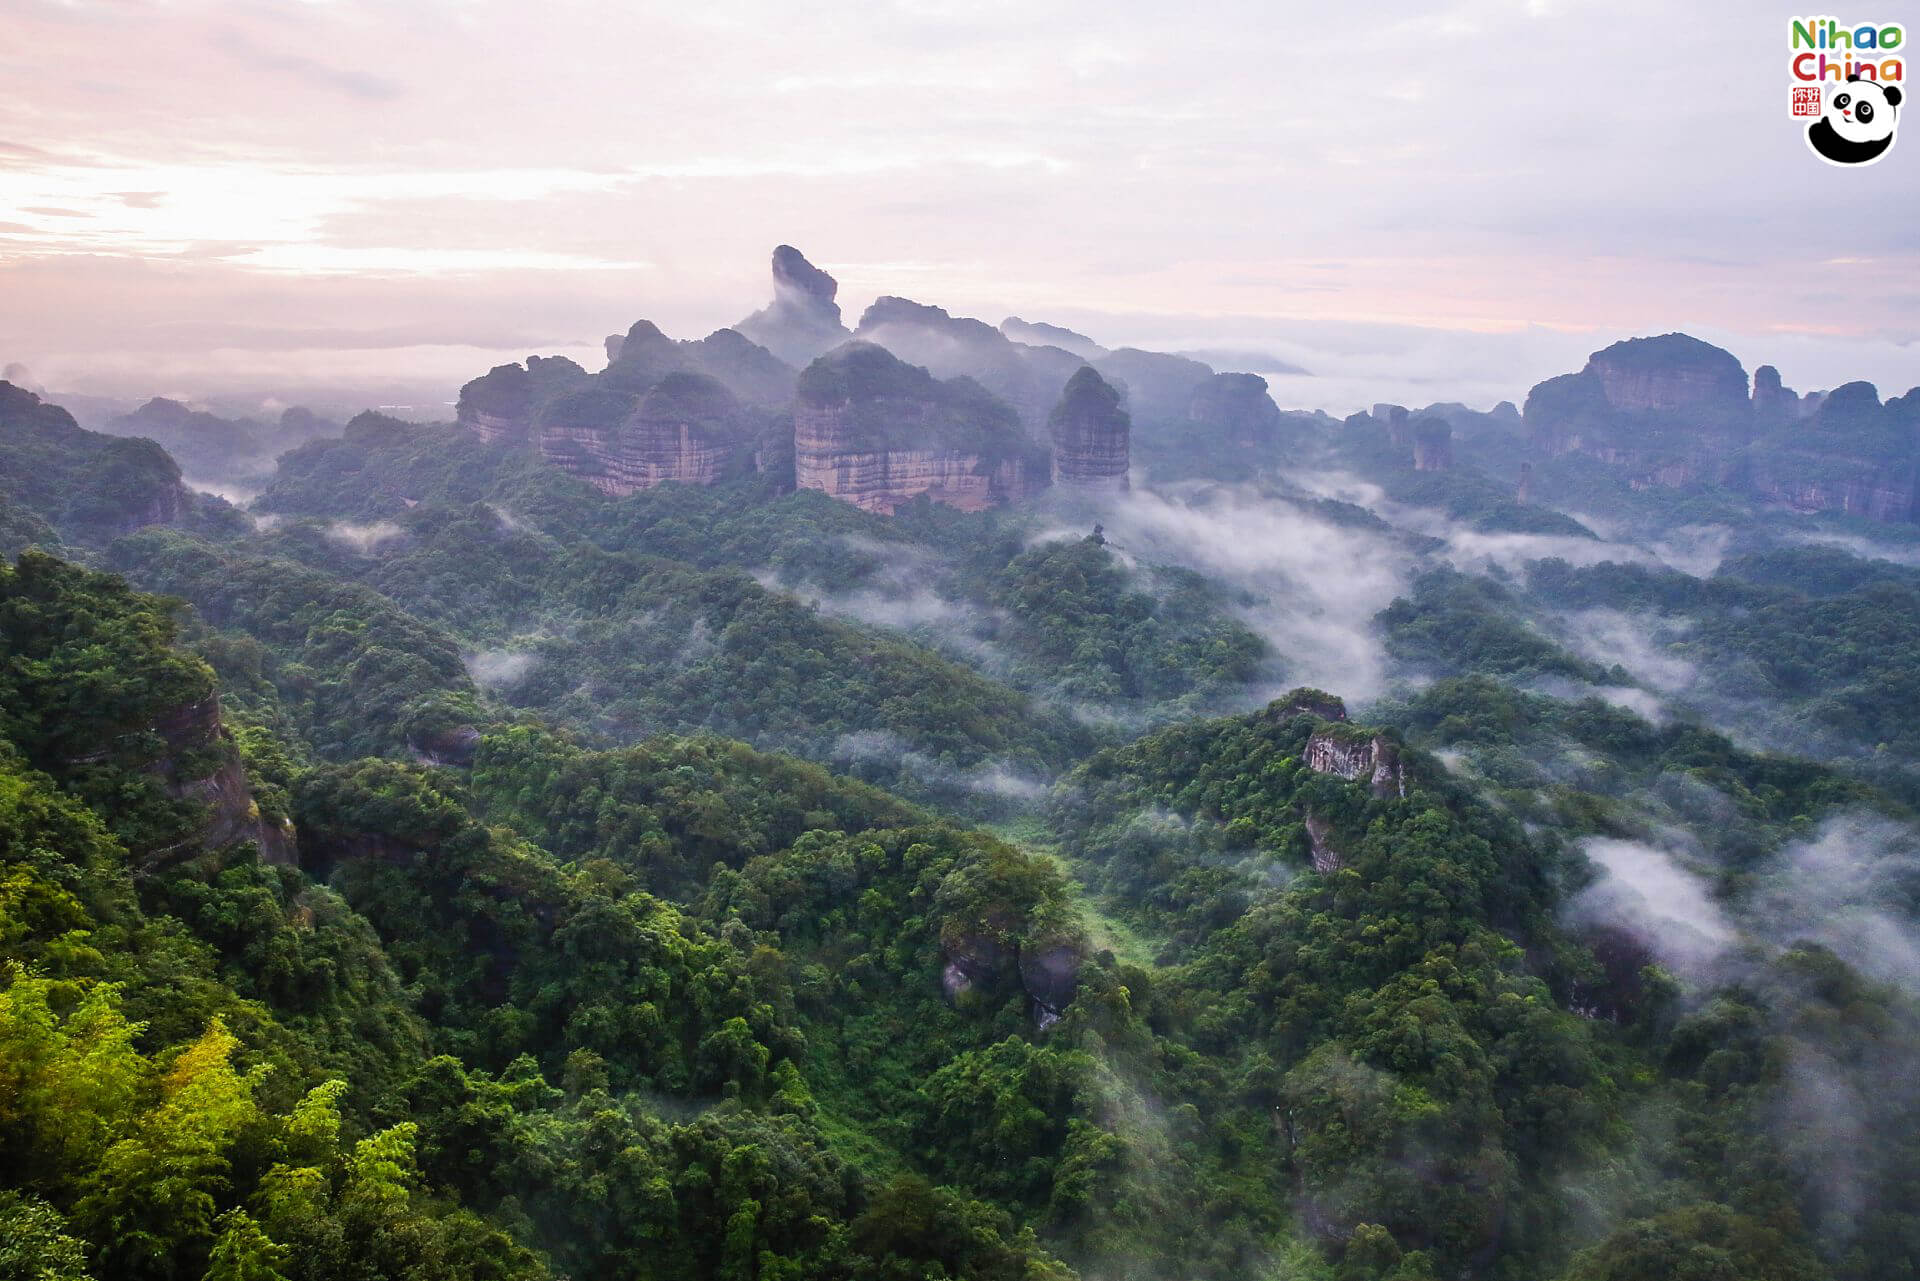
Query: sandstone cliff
{"x": 876, "y": 432}
{"x": 1852, "y": 455}
{"x": 1355, "y": 755}
{"x": 803, "y": 320}
{"x": 686, "y": 428}
{"x": 500, "y": 404}
{"x": 1674, "y": 411}
{"x": 1235, "y": 408}
{"x": 1433, "y": 445}
{"x": 1091, "y": 435}
{"x": 200, "y": 764}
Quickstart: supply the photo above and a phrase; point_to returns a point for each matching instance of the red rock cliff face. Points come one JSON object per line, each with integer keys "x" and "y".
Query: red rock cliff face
{"x": 874, "y": 431}
{"x": 1672, "y": 409}
{"x": 1691, "y": 379}
{"x": 686, "y": 428}
{"x": 194, "y": 733}
{"x": 880, "y": 480}
{"x": 1092, "y": 435}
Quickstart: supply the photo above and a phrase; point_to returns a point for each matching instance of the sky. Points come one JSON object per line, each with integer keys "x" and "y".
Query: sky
{"x": 1415, "y": 201}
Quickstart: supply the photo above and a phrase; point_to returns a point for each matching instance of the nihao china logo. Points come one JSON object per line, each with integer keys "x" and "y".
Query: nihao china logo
{"x": 1849, "y": 79}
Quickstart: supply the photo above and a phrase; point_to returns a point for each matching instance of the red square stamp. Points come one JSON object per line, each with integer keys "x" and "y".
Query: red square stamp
{"x": 1806, "y": 100}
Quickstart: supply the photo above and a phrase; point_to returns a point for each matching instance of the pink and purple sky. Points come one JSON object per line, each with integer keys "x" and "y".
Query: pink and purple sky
{"x": 1415, "y": 201}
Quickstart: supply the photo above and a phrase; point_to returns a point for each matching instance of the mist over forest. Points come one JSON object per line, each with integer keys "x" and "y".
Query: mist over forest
{"x": 1191, "y": 678}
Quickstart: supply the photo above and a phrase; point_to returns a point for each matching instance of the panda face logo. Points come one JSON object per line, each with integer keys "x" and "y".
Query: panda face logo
{"x": 1856, "y": 125}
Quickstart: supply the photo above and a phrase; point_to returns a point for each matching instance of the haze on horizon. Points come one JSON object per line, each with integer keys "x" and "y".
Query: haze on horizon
{"x": 1454, "y": 199}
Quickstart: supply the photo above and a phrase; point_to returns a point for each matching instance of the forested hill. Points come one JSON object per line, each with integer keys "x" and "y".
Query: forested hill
{"x": 445, "y": 869}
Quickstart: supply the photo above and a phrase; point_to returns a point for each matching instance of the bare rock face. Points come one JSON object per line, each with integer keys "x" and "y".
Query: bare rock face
{"x": 1357, "y": 756}
{"x": 1773, "y": 402}
{"x": 1669, "y": 373}
{"x": 686, "y": 428}
{"x": 1236, "y": 408}
{"x": 876, "y": 432}
{"x": 194, "y": 733}
{"x": 500, "y": 404}
{"x": 1673, "y": 410}
{"x": 803, "y": 320}
{"x": 1091, "y": 435}
{"x": 1432, "y": 445}
{"x": 1320, "y": 842}
{"x": 1050, "y": 973}
{"x": 1853, "y": 455}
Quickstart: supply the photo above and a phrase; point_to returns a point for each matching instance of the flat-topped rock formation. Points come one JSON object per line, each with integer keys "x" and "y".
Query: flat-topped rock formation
{"x": 686, "y": 428}
{"x": 1675, "y": 411}
{"x": 1091, "y": 435}
{"x": 501, "y": 403}
{"x": 1235, "y": 408}
{"x": 877, "y": 432}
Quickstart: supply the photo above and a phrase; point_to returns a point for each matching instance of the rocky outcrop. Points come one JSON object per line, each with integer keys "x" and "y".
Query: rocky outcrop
{"x": 1048, "y": 971}
{"x": 500, "y": 405}
{"x": 1668, "y": 374}
{"x": 1853, "y": 455}
{"x": 1354, "y": 755}
{"x": 1091, "y": 435}
{"x": 1773, "y": 402}
{"x": 1432, "y": 445}
{"x": 1673, "y": 410}
{"x": 1320, "y": 845}
{"x": 1305, "y": 701}
{"x": 803, "y": 320}
{"x": 751, "y": 372}
{"x": 1029, "y": 378}
{"x": 193, "y": 737}
{"x": 1237, "y": 409}
{"x": 448, "y": 745}
{"x": 89, "y": 485}
{"x": 686, "y": 428}
{"x": 874, "y": 431}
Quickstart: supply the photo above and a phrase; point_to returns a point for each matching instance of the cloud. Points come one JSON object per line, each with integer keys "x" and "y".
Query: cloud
{"x": 497, "y": 668}
{"x": 358, "y": 84}
{"x": 889, "y": 753}
{"x": 1313, "y": 587}
{"x": 1648, "y": 892}
{"x": 1642, "y": 645}
{"x": 364, "y": 539}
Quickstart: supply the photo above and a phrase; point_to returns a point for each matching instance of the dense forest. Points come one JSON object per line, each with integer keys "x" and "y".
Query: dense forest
{"x": 446, "y": 867}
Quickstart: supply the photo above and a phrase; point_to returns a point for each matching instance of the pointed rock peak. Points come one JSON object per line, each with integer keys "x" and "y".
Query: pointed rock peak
{"x": 792, "y": 271}
{"x": 803, "y": 319}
